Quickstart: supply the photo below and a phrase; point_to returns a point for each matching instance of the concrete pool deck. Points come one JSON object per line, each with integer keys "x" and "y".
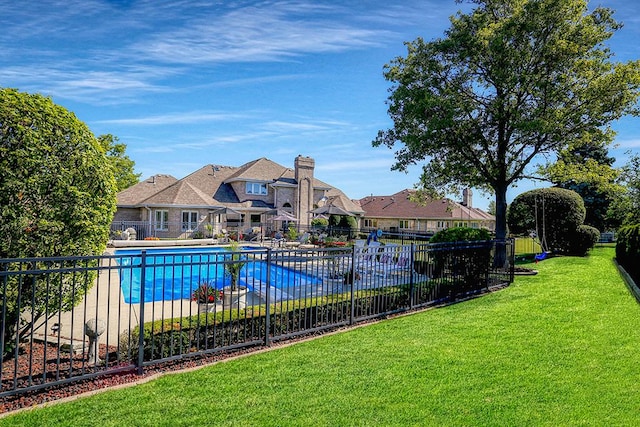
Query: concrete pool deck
{"x": 105, "y": 300}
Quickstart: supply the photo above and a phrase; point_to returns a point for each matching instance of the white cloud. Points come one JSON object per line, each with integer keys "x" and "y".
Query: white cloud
{"x": 176, "y": 118}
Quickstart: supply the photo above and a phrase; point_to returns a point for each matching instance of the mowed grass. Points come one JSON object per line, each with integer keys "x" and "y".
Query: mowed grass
{"x": 559, "y": 348}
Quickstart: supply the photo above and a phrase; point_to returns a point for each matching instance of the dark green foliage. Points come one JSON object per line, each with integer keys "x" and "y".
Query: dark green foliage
{"x": 458, "y": 234}
{"x": 347, "y": 222}
{"x": 584, "y": 239}
{"x": 57, "y": 191}
{"x": 122, "y": 165}
{"x": 559, "y": 214}
{"x": 57, "y": 198}
{"x": 468, "y": 263}
{"x": 628, "y": 249}
{"x": 319, "y": 223}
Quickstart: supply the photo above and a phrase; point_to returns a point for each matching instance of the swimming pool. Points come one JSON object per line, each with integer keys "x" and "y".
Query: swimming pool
{"x": 173, "y": 274}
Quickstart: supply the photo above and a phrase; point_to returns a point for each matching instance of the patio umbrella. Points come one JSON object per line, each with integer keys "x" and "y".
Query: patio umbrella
{"x": 331, "y": 210}
{"x": 284, "y": 217}
{"x": 277, "y": 212}
{"x": 227, "y": 211}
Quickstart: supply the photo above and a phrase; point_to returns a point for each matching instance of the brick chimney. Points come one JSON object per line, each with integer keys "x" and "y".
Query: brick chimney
{"x": 304, "y": 167}
{"x": 467, "y": 197}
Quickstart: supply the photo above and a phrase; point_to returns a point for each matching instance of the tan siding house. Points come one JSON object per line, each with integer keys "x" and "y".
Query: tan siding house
{"x": 216, "y": 198}
{"x": 397, "y": 213}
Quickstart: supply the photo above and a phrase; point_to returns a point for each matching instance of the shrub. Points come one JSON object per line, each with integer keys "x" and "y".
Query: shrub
{"x": 459, "y": 234}
{"x": 319, "y": 222}
{"x": 584, "y": 239}
{"x": 468, "y": 262}
{"x": 628, "y": 249}
{"x": 348, "y": 222}
{"x": 559, "y": 214}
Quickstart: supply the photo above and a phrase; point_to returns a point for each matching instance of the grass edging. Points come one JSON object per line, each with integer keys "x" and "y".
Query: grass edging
{"x": 628, "y": 280}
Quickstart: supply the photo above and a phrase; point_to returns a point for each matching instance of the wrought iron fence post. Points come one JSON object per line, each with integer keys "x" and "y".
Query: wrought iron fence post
{"x": 352, "y": 310}
{"x": 267, "y": 310}
{"x": 143, "y": 268}
{"x": 411, "y": 277}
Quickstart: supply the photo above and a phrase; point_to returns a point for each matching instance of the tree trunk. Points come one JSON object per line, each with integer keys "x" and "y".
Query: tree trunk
{"x": 501, "y": 227}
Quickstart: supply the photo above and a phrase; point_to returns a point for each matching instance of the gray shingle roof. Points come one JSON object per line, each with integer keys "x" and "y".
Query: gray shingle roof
{"x": 137, "y": 193}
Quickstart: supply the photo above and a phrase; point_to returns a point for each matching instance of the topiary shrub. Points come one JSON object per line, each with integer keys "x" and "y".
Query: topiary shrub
{"x": 628, "y": 249}
{"x": 559, "y": 214}
{"x": 584, "y": 238}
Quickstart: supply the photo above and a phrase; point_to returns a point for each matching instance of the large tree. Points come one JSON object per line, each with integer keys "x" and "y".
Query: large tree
{"x": 511, "y": 81}
{"x": 57, "y": 198}
{"x": 123, "y": 166}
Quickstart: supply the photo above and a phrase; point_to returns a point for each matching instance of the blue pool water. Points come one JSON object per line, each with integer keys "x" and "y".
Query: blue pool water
{"x": 173, "y": 274}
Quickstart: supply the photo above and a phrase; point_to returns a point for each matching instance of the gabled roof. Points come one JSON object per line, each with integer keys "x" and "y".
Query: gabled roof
{"x": 135, "y": 194}
{"x": 261, "y": 169}
{"x": 210, "y": 186}
{"x": 338, "y": 198}
{"x": 182, "y": 193}
{"x": 399, "y": 205}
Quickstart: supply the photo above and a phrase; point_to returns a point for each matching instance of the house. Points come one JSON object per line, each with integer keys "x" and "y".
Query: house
{"x": 397, "y": 213}
{"x": 216, "y": 198}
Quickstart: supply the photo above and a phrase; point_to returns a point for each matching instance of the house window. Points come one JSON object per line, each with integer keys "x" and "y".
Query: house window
{"x": 475, "y": 225}
{"x": 372, "y": 223}
{"x": 189, "y": 220}
{"x": 161, "y": 220}
{"x": 404, "y": 223}
{"x": 256, "y": 188}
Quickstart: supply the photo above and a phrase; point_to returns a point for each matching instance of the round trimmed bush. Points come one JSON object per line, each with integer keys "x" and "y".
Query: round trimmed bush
{"x": 559, "y": 214}
{"x": 584, "y": 239}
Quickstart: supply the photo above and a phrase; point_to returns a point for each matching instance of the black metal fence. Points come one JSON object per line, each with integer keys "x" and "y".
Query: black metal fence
{"x": 69, "y": 319}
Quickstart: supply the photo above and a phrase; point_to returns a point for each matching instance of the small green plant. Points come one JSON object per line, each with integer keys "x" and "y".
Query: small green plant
{"x": 234, "y": 264}
{"x": 292, "y": 233}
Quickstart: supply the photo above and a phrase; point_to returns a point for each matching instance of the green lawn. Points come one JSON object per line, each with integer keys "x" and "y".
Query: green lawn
{"x": 559, "y": 348}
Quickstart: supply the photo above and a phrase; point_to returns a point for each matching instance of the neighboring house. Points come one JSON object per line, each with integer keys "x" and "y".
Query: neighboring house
{"x": 216, "y": 198}
{"x": 397, "y": 213}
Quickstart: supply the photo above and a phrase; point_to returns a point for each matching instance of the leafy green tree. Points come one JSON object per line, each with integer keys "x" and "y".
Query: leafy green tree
{"x": 625, "y": 208}
{"x": 588, "y": 170}
{"x": 123, "y": 166}
{"x": 57, "y": 198}
{"x": 512, "y": 81}
{"x": 492, "y": 207}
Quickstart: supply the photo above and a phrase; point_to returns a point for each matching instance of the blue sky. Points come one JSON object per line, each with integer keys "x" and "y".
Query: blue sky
{"x": 187, "y": 83}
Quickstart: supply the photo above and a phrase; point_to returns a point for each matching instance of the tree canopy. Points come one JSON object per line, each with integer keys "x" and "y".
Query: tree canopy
{"x": 588, "y": 170}
{"x": 511, "y": 81}
{"x": 57, "y": 198}
{"x": 123, "y": 166}
{"x": 625, "y": 208}
{"x": 57, "y": 193}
